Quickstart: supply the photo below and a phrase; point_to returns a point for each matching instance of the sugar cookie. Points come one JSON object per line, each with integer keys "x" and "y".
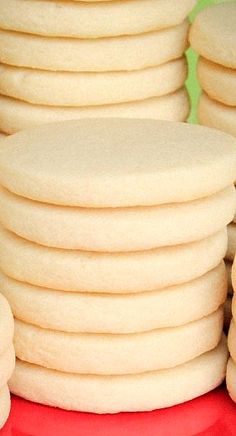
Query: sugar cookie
{"x": 89, "y": 89}
{"x": 231, "y": 242}
{"x": 119, "y": 229}
{"x": 66, "y": 311}
{"x": 74, "y": 270}
{"x": 6, "y": 324}
{"x": 213, "y": 34}
{"x": 117, "y": 354}
{"x": 231, "y": 379}
{"x": 69, "y": 18}
{"x": 217, "y": 115}
{"x": 218, "y": 82}
{"x": 124, "y": 53}
{"x": 112, "y": 394}
{"x": 5, "y": 404}
{"x": 17, "y": 115}
{"x": 118, "y": 162}
{"x": 7, "y": 364}
{"x": 232, "y": 337}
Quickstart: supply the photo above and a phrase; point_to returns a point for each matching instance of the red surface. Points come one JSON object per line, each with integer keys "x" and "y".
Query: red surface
{"x": 213, "y": 414}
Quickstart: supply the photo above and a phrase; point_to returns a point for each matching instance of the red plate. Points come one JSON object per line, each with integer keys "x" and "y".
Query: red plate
{"x": 213, "y": 414}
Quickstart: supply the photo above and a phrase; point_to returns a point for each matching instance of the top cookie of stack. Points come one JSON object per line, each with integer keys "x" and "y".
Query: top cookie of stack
{"x": 213, "y": 36}
{"x": 73, "y": 59}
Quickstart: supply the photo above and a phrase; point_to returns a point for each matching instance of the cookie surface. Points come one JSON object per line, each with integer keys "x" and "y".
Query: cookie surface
{"x": 232, "y": 337}
{"x": 112, "y": 394}
{"x": 117, "y": 354}
{"x": 231, "y": 378}
{"x": 74, "y": 270}
{"x": 7, "y": 364}
{"x": 117, "y": 162}
{"x": 6, "y": 324}
{"x": 124, "y": 53}
{"x": 78, "y": 19}
{"x": 213, "y": 34}
{"x": 119, "y": 229}
{"x": 91, "y": 89}
{"x": 5, "y": 405}
{"x": 231, "y": 242}
{"x": 217, "y": 81}
{"x": 217, "y": 115}
{"x": 68, "y": 312}
{"x": 17, "y": 115}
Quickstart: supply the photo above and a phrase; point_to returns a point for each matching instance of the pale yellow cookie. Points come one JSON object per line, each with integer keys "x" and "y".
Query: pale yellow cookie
{"x": 231, "y": 242}
{"x": 2, "y": 135}
{"x": 7, "y": 364}
{"x": 119, "y": 229}
{"x": 112, "y": 394}
{"x": 69, "y": 18}
{"x": 217, "y": 115}
{"x": 6, "y": 325}
{"x": 213, "y": 33}
{"x": 117, "y": 162}
{"x": 91, "y": 89}
{"x": 88, "y": 353}
{"x": 232, "y": 336}
{"x": 231, "y": 379}
{"x": 17, "y": 115}
{"x": 218, "y": 82}
{"x": 124, "y": 53}
{"x": 5, "y": 405}
{"x": 227, "y": 313}
{"x": 68, "y": 311}
{"x": 74, "y": 270}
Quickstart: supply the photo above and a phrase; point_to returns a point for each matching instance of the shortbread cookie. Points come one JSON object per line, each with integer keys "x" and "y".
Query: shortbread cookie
{"x": 213, "y": 34}
{"x": 2, "y": 135}
{"x": 89, "y": 89}
{"x": 126, "y": 53}
{"x": 107, "y": 354}
{"x": 112, "y": 394}
{"x": 69, "y": 18}
{"x": 112, "y": 163}
{"x": 66, "y": 311}
{"x": 231, "y": 379}
{"x": 17, "y": 115}
{"x": 5, "y": 405}
{"x": 227, "y": 313}
{"x": 232, "y": 336}
{"x": 217, "y": 115}
{"x": 218, "y": 82}
{"x": 231, "y": 242}
{"x": 74, "y": 270}
{"x": 119, "y": 229}
{"x": 7, "y": 364}
{"x": 6, "y": 325}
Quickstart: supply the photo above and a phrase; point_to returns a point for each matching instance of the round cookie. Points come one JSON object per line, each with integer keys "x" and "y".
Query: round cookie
{"x": 231, "y": 242}
{"x": 7, "y": 364}
{"x": 5, "y": 405}
{"x": 126, "y": 53}
{"x": 69, "y": 18}
{"x": 6, "y": 324}
{"x": 74, "y": 270}
{"x": 218, "y": 82}
{"x": 213, "y": 34}
{"x": 68, "y": 312}
{"x": 2, "y": 135}
{"x": 117, "y": 354}
{"x": 231, "y": 379}
{"x": 117, "y": 162}
{"x": 89, "y": 89}
{"x": 232, "y": 337}
{"x": 17, "y": 115}
{"x": 112, "y": 394}
{"x": 217, "y": 115}
{"x": 119, "y": 229}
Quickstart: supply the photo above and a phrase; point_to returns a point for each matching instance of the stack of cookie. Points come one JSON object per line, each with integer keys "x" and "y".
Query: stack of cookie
{"x": 7, "y": 358}
{"x": 213, "y": 36}
{"x": 112, "y": 240}
{"x": 231, "y": 369}
{"x": 75, "y": 59}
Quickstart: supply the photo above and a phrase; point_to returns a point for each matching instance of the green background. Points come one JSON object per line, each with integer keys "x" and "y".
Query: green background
{"x": 192, "y": 83}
